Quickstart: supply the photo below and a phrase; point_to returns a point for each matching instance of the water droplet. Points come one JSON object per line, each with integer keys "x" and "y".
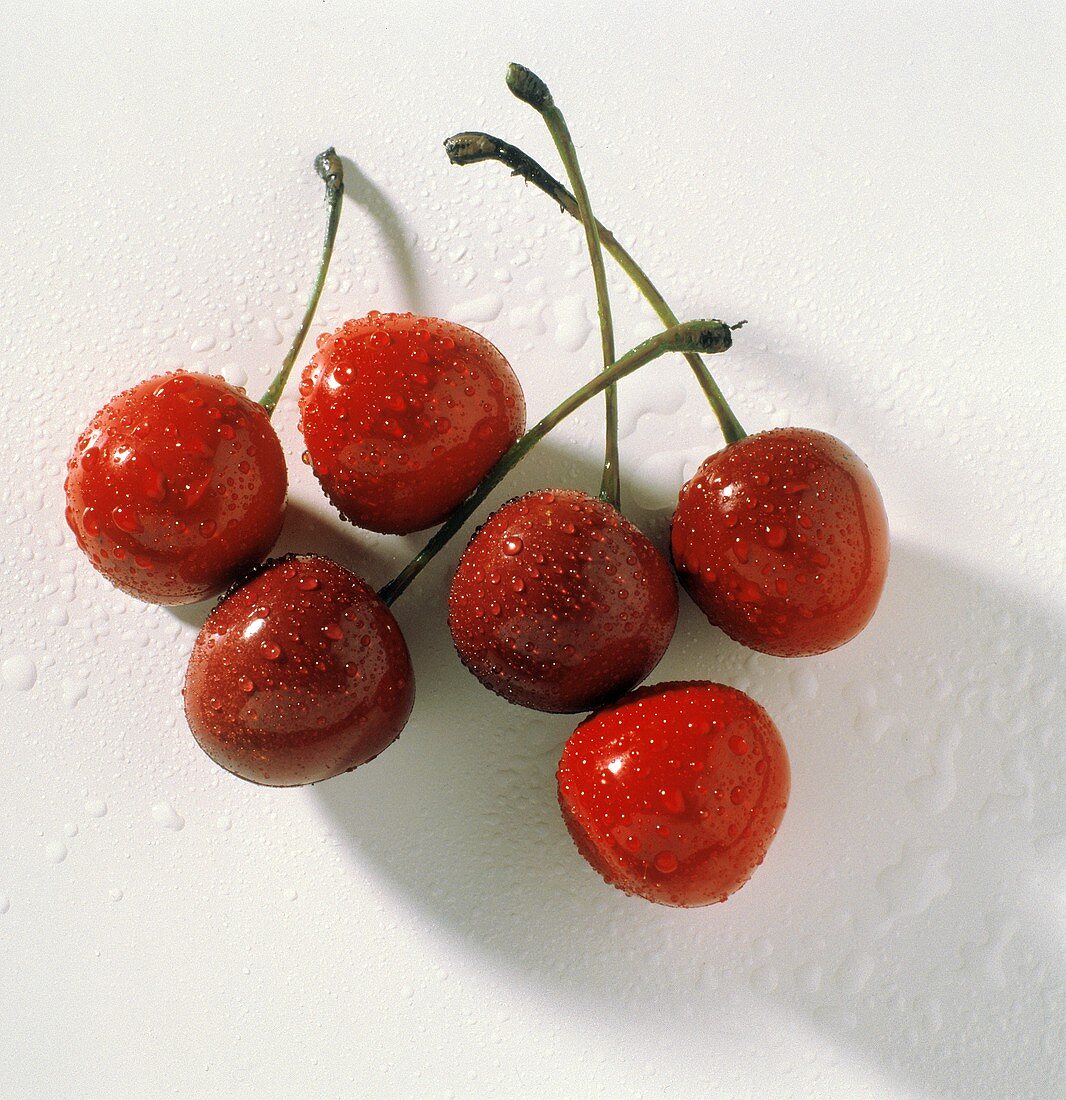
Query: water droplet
{"x": 125, "y": 519}
{"x": 666, "y": 863}
{"x": 674, "y": 801}
{"x": 165, "y": 815}
{"x": 512, "y": 546}
{"x": 56, "y": 852}
{"x": 18, "y": 673}
{"x": 234, "y": 375}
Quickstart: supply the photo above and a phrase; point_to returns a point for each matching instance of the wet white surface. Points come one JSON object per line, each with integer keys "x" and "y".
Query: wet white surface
{"x": 877, "y": 195}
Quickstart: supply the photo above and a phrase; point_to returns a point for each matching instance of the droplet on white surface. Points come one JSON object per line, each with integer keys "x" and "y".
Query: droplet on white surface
{"x": 115, "y": 895}
{"x": 5, "y": 904}
{"x": 475, "y": 310}
{"x": 804, "y": 684}
{"x": 18, "y": 673}
{"x": 572, "y": 324}
{"x": 165, "y": 815}
{"x": 73, "y": 689}
{"x": 96, "y": 807}
{"x": 764, "y": 979}
{"x": 70, "y": 829}
{"x": 224, "y": 823}
{"x": 910, "y": 886}
{"x": 234, "y": 375}
{"x": 56, "y": 852}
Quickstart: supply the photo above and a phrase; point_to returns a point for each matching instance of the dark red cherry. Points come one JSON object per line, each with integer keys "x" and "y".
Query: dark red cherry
{"x": 675, "y": 792}
{"x": 782, "y": 541}
{"x": 176, "y": 486}
{"x": 299, "y": 674}
{"x": 559, "y": 603}
{"x": 403, "y": 416}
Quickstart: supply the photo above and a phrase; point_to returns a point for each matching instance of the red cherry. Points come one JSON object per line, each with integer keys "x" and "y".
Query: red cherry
{"x": 176, "y": 486}
{"x": 559, "y": 603}
{"x": 299, "y": 674}
{"x": 675, "y": 792}
{"x": 404, "y": 415}
{"x": 782, "y": 541}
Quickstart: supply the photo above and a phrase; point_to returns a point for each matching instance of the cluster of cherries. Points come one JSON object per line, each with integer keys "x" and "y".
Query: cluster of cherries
{"x": 176, "y": 492}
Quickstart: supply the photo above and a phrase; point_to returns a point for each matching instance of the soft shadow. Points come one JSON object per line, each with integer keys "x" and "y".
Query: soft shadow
{"x": 317, "y": 529}
{"x": 902, "y": 905}
{"x": 363, "y": 191}
{"x": 193, "y": 614}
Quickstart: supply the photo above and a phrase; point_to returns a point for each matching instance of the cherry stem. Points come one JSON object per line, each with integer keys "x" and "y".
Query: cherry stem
{"x": 472, "y": 146}
{"x": 692, "y": 336}
{"x": 328, "y": 166}
{"x": 529, "y": 87}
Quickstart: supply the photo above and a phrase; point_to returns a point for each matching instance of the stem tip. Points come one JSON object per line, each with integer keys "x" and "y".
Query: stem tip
{"x": 331, "y": 171}
{"x": 469, "y": 147}
{"x": 528, "y": 87}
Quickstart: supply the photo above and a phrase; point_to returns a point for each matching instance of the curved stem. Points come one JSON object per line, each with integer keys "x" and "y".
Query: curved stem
{"x": 328, "y": 166}
{"x": 472, "y": 146}
{"x": 520, "y": 78}
{"x": 694, "y": 336}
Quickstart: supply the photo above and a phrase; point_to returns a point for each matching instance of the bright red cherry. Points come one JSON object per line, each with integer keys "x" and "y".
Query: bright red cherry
{"x": 560, "y": 604}
{"x": 675, "y": 792}
{"x": 403, "y": 416}
{"x": 176, "y": 486}
{"x": 782, "y": 541}
{"x": 299, "y": 674}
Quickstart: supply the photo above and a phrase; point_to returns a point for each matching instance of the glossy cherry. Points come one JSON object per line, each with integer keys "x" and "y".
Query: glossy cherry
{"x": 559, "y": 603}
{"x": 782, "y": 540}
{"x": 176, "y": 485}
{"x": 299, "y": 674}
{"x": 675, "y": 792}
{"x": 402, "y": 416}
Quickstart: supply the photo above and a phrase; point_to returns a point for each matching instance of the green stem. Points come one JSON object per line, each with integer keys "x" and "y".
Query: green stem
{"x": 328, "y": 166}
{"x": 531, "y": 89}
{"x": 473, "y": 146}
{"x": 692, "y": 336}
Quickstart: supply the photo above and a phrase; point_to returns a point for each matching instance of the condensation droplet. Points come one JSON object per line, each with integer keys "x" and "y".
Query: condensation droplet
{"x": 165, "y": 815}
{"x": 18, "y": 673}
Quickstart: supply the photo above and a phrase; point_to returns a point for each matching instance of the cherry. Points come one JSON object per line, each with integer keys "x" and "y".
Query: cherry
{"x": 402, "y": 416}
{"x": 675, "y": 792}
{"x": 175, "y": 486}
{"x": 559, "y": 603}
{"x": 300, "y": 673}
{"x": 178, "y": 484}
{"x": 782, "y": 541}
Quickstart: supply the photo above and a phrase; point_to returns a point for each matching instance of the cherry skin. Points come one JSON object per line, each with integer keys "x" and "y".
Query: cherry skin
{"x": 559, "y": 603}
{"x": 175, "y": 487}
{"x": 402, "y": 416}
{"x": 299, "y": 674}
{"x": 675, "y": 792}
{"x": 782, "y": 541}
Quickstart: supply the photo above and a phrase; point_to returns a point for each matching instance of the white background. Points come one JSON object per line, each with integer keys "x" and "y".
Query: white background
{"x": 877, "y": 190}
